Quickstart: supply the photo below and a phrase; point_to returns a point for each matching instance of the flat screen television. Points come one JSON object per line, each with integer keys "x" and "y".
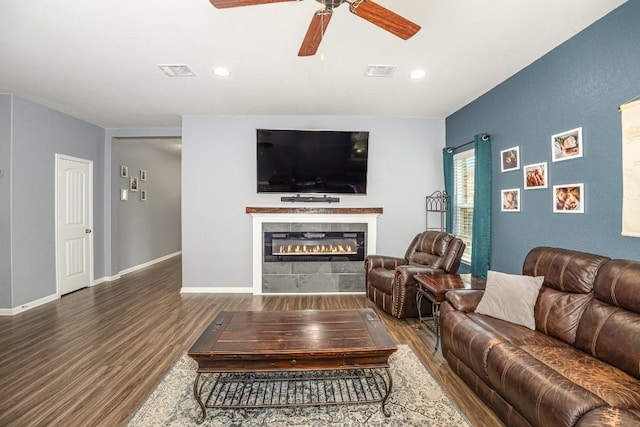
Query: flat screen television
{"x": 312, "y": 161}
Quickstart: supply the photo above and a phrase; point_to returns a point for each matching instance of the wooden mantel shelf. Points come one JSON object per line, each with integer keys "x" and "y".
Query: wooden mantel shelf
{"x": 313, "y": 211}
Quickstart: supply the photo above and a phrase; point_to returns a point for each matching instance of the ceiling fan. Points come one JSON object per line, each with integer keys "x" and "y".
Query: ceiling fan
{"x": 366, "y": 9}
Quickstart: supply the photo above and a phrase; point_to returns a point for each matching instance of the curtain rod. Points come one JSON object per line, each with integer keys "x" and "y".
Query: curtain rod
{"x": 485, "y": 137}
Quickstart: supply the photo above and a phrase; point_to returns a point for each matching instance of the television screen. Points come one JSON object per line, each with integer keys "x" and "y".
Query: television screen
{"x": 312, "y": 161}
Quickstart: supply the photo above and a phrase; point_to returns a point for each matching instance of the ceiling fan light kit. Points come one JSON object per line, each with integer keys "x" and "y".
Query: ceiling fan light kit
{"x": 365, "y": 9}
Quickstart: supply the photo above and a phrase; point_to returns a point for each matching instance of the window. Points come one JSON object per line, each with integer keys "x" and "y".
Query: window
{"x": 463, "y": 183}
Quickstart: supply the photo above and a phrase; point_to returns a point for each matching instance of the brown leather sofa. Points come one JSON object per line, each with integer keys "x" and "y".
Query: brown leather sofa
{"x": 580, "y": 367}
{"x": 390, "y": 280}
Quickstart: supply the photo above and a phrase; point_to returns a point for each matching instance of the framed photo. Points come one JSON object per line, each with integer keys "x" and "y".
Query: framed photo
{"x": 511, "y": 200}
{"x": 567, "y": 145}
{"x": 143, "y": 195}
{"x": 536, "y": 176}
{"x": 124, "y": 194}
{"x": 124, "y": 171}
{"x": 510, "y": 159}
{"x": 568, "y": 198}
{"x": 143, "y": 175}
{"x": 133, "y": 184}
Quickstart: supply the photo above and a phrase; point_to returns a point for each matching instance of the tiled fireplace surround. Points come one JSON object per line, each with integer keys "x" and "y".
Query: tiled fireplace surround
{"x": 311, "y": 276}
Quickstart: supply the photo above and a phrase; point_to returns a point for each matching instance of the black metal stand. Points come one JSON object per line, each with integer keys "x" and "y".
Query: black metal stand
{"x": 292, "y": 389}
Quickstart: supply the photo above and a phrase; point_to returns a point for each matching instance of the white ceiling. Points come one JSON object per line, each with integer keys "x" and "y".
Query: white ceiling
{"x": 97, "y": 60}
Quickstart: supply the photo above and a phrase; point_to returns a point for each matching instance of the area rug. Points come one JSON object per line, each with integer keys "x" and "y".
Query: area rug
{"x": 416, "y": 400}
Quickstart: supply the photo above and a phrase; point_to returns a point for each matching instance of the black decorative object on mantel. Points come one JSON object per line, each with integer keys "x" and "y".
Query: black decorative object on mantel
{"x": 438, "y": 202}
{"x": 299, "y": 198}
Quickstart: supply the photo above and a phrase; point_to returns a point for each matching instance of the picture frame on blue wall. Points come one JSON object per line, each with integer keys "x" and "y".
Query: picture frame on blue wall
{"x": 567, "y": 145}
{"x": 510, "y": 200}
{"x": 536, "y": 176}
{"x": 568, "y": 198}
{"x": 510, "y": 159}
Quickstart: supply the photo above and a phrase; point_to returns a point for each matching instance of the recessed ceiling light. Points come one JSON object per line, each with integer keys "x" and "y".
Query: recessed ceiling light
{"x": 417, "y": 74}
{"x": 221, "y": 71}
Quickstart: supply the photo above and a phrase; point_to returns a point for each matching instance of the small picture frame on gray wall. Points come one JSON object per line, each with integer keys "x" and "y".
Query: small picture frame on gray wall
{"x": 124, "y": 171}
{"x": 133, "y": 184}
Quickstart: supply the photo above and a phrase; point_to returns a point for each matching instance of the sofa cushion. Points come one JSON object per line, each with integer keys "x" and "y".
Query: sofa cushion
{"x": 609, "y": 383}
{"x": 558, "y": 313}
{"x": 610, "y": 326}
{"x": 563, "y": 269}
{"x": 510, "y": 297}
{"x": 540, "y": 394}
{"x": 513, "y": 333}
{"x": 610, "y": 417}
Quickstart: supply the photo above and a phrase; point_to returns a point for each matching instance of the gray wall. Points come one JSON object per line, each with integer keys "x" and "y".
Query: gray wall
{"x": 38, "y": 134}
{"x": 5, "y": 201}
{"x": 152, "y": 229}
{"x": 579, "y": 84}
{"x": 219, "y": 181}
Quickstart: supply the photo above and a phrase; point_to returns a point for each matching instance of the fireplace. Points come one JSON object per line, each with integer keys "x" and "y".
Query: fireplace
{"x": 318, "y": 272}
{"x": 314, "y": 246}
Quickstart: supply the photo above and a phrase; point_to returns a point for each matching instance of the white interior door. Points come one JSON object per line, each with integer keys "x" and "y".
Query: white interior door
{"x": 74, "y": 222}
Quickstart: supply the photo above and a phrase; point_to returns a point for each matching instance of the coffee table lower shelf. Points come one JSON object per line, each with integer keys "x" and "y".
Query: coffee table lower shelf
{"x": 292, "y": 389}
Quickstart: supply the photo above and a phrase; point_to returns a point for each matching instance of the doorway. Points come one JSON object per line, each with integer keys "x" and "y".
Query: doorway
{"x": 74, "y": 223}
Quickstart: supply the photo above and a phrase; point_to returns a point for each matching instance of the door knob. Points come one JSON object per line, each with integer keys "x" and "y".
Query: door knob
{"x": 87, "y": 230}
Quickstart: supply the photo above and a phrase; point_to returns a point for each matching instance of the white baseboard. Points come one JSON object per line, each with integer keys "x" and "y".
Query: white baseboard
{"x": 148, "y": 264}
{"x": 105, "y": 279}
{"x": 211, "y": 290}
{"x": 28, "y": 306}
{"x": 245, "y": 290}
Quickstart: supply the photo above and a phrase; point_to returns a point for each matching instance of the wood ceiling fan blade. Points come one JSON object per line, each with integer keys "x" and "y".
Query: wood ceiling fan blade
{"x": 316, "y": 30}
{"x": 221, "y": 4}
{"x": 384, "y": 18}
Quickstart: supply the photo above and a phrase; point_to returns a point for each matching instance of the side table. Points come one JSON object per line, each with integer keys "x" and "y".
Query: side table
{"x": 434, "y": 287}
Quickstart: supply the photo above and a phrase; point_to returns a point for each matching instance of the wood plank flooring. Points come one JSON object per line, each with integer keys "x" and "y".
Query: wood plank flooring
{"x": 92, "y": 357}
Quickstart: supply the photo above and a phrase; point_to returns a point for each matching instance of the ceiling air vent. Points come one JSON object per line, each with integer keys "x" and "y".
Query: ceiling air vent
{"x": 177, "y": 70}
{"x": 380, "y": 70}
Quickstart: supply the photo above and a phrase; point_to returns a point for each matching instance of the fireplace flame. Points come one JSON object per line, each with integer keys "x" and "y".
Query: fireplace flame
{"x": 314, "y": 249}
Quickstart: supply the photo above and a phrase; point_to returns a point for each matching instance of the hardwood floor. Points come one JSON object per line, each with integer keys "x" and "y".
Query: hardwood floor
{"x": 92, "y": 357}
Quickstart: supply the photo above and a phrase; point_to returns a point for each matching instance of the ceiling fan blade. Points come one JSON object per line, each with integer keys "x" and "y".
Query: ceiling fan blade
{"x": 316, "y": 30}
{"x": 221, "y": 4}
{"x": 384, "y": 18}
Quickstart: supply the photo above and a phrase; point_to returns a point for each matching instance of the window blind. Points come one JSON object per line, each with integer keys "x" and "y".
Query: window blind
{"x": 463, "y": 182}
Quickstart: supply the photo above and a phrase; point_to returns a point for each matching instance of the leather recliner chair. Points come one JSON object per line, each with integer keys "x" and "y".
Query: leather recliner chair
{"x": 390, "y": 280}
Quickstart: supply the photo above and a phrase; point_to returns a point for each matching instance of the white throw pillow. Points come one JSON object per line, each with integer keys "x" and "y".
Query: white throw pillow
{"x": 511, "y": 297}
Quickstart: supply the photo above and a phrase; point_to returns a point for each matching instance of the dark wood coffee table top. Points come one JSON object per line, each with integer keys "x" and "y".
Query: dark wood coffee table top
{"x": 253, "y": 341}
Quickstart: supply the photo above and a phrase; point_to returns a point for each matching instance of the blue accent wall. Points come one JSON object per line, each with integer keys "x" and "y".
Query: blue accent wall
{"x": 581, "y": 83}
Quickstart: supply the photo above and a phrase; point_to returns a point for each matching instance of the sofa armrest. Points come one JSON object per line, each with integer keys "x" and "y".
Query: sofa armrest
{"x": 405, "y": 273}
{"x": 382, "y": 261}
{"x": 465, "y": 300}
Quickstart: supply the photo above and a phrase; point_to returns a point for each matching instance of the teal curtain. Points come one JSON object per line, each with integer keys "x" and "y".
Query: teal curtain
{"x": 481, "y": 233}
{"x": 447, "y": 158}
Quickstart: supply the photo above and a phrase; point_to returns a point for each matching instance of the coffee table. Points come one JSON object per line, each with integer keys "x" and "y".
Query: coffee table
{"x": 435, "y": 286}
{"x": 257, "y": 359}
